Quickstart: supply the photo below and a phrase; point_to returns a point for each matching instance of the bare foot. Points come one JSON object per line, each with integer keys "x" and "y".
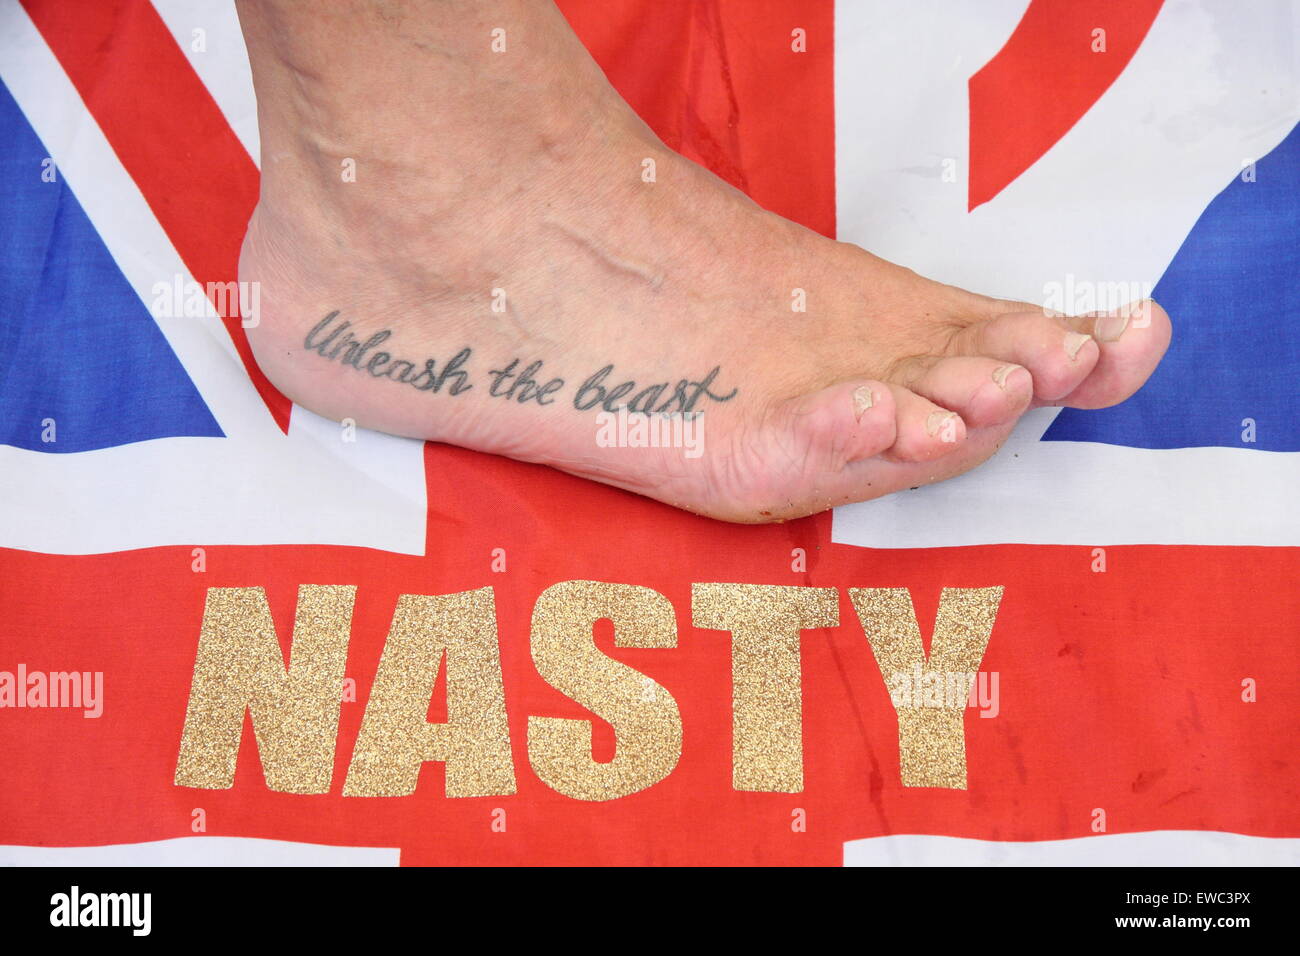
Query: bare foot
{"x": 502, "y": 274}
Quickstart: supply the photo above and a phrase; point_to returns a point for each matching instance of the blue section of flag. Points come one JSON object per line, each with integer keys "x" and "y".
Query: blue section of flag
{"x": 1233, "y": 293}
{"x": 77, "y": 346}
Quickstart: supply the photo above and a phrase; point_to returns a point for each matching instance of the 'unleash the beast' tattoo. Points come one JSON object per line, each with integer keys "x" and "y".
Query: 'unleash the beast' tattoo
{"x": 335, "y": 341}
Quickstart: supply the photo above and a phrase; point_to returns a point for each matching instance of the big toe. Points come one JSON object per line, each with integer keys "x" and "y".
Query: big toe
{"x": 1132, "y": 340}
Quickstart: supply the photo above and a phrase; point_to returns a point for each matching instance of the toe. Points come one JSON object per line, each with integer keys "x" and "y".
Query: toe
{"x": 982, "y": 391}
{"x": 847, "y": 422}
{"x": 1132, "y": 340}
{"x": 925, "y": 430}
{"x": 1057, "y": 356}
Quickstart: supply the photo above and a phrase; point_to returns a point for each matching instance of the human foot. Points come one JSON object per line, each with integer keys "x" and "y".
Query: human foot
{"x": 501, "y": 266}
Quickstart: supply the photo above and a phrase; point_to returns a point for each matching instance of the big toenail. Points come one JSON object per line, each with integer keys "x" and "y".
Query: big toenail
{"x": 1073, "y": 342}
{"x": 936, "y": 421}
{"x": 1108, "y": 328}
{"x": 1000, "y": 375}
{"x": 1140, "y": 313}
{"x": 861, "y": 401}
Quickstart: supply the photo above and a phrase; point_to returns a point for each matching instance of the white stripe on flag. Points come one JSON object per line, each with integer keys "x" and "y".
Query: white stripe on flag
{"x": 1072, "y": 493}
{"x": 200, "y": 851}
{"x": 1154, "y": 848}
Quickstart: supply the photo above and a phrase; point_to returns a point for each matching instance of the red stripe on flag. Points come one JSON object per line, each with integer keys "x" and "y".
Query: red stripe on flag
{"x": 1120, "y": 691}
{"x": 726, "y": 86}
{"x": 169, "y": 134}
{"x": 1044, "y": 80}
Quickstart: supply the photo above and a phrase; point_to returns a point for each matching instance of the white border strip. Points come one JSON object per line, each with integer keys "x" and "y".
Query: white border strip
{"x": 200, "y": 851}
{"x": 1153, "y": 848}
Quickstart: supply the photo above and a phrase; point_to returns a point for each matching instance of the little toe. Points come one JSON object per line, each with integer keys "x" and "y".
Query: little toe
{"x": 846, "y": 422}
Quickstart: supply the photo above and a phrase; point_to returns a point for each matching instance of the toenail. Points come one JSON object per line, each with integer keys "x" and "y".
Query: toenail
{"x": 1110, "y": 327}
{"x": 1073, "y": 342}
{"x": 1140, "y": 313}
{"x": 937, "y": 420}
{"x": 861, "y": 401}
{"x": 1000, "y": 375}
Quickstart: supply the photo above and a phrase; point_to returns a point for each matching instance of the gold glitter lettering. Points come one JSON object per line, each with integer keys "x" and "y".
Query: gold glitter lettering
{"x": 239, "y": 666}
{"x": 766, "y": 684}
{"x": 396, "y": 737}
{"x": 647, "y": 724}
{"x": 931, "y": 727}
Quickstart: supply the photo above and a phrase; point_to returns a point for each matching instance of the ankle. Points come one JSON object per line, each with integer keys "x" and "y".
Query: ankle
{"x": 347, "y": 79}
{"x": 446, "y": 120}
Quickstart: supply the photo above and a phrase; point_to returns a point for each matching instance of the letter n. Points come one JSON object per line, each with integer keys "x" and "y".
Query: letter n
{"x": 239, "y": 667}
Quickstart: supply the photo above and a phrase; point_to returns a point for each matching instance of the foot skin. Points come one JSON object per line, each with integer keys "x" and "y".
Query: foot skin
{"x": 501, "y": 273}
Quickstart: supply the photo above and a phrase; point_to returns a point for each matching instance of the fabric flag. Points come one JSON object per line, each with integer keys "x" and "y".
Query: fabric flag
{"x": 1084, "y": 651}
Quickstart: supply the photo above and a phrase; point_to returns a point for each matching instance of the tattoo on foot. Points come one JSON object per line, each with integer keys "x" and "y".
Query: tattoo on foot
{"x": 334, "y": 340}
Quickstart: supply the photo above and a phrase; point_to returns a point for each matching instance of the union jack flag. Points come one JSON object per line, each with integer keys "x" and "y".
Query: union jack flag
{"x": 1136, "y": 697}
